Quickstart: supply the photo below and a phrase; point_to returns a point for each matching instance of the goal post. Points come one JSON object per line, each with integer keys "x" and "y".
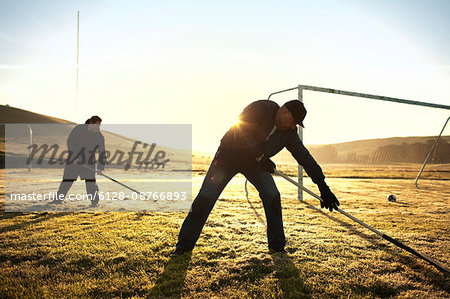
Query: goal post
{"x": 301, "y": 97}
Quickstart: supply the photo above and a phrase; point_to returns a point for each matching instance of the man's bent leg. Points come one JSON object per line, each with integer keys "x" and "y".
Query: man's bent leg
{"x": 63, "y": 189}
{"x": 218, "y": 176}
{"x": 87, "y": 173}
{"x": 92, "y": 190}
{"x": 270, "y": 196}
{"x": 70, "y": 175}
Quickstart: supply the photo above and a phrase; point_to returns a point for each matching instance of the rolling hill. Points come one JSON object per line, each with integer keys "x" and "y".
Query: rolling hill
{"x": 50, "y": 135}
{"x": 387, "y": 150}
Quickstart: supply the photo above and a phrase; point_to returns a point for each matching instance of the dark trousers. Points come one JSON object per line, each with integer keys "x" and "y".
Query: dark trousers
{"x": 71, "y": 173}
{"x": 219, "y": 174}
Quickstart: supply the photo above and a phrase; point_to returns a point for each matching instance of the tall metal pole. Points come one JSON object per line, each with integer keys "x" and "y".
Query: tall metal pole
{"x": 300, "y": 135}
{"x": 78, "y": 53}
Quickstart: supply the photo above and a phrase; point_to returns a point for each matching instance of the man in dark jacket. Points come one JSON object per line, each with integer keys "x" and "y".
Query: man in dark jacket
{"x": 264, "y": 129}
{"x": 83, "y": 142}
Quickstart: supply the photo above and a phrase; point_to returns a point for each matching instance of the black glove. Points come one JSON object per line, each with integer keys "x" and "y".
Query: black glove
{"x": 266, "y": 164}
{"x": 329, "y": 199}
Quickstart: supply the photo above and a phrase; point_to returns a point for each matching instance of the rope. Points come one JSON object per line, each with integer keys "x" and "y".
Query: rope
{"x": 253, "y": 208}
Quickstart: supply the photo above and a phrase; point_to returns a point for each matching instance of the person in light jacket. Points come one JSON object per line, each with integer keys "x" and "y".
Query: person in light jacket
{"x": 83, "y": 142}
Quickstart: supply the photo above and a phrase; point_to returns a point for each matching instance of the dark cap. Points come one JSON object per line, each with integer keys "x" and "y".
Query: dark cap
{"x": 297, "y": 111}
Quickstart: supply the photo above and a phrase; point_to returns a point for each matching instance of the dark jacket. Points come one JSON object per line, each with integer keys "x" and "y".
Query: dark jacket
{"x": 246, "y": 141}
{"x": 83, "y": 143}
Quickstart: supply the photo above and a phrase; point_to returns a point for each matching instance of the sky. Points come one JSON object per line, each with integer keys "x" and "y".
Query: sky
{"x": 202, "y": 62}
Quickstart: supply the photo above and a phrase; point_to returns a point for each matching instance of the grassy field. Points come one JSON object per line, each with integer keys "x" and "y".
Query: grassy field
{"x": 116, "y": 255}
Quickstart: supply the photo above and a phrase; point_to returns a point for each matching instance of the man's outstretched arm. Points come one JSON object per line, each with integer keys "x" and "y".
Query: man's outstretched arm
{"x": 313, "y": 169}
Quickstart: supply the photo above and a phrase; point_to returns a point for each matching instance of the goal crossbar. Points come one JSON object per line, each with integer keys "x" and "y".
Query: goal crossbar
{"x": 374, "y": 97}
{"x": 363, "y": 95}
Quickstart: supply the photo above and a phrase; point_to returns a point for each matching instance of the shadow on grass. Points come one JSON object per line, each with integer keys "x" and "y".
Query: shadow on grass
{"x": 433, "y": 277}
{"x": 171, "y": 281}
{"x": 288, "y": 276}
{"x": 35, "y": 219}
{"x": 9, "y": 215}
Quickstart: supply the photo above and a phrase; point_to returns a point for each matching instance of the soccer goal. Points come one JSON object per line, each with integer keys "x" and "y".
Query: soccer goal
{"x": 365, "y": 136}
